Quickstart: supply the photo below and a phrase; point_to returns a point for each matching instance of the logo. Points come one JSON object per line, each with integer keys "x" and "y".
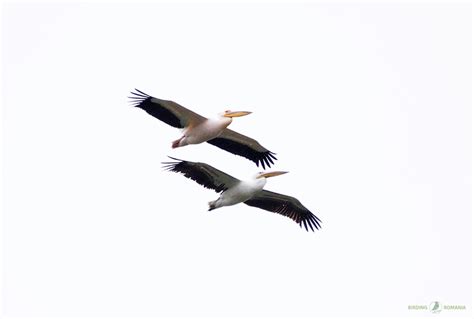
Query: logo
{"x": 435, "y": 307}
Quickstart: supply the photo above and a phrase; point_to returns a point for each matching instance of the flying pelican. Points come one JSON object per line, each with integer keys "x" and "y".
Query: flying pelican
{"x": 198, "y": 129}
{"x": 234, "y": 191}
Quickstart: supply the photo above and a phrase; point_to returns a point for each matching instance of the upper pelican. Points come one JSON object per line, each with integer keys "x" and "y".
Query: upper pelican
{"x": 250, "y": 192}
{"x": 198, "y": 129}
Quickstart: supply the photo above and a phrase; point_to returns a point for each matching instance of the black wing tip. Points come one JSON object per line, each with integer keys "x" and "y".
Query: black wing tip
{"x": 266, "y": 159}
{"x": 139, "y": 93}
{"x": 170, "y": 166}
{"x": 312, "y": 221}
{"x": 138, "y": 98}
{"x": 176, "y": 159}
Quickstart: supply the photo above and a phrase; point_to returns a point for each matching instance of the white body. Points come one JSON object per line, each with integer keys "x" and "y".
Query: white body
{"x": 243, "y": 191}
{"x": 205, "y": 131}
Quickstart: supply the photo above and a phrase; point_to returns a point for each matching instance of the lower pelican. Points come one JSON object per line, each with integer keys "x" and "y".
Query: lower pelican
{"x": 250, "y": 192}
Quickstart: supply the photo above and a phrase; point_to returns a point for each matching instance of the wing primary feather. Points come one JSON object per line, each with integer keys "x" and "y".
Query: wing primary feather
{"x": 141, "y": 92}
{"x": 140, "y": 95}
{"x": 163, "y": 110}
{"x": 266, "y": 161}
{"x": 176, "y": 159}
{"x": 287, "y": 206}
{"x": 202, "y": 173}
{"x": 244, "y": 146}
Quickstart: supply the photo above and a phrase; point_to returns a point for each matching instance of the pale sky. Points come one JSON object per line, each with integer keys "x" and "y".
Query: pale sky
{"x": 367, "y": 106}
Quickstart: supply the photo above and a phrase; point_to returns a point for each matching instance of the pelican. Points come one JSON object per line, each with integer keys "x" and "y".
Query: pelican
{"x": 234, "y": 191}
{"x": 198, "y": 129}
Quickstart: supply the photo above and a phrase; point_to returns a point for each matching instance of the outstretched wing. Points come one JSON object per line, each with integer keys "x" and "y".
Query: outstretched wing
{"x": 285, "y": 205}
{"x": 167, "y": 111}
{"x": 203, "y": 174}
{"x": 242, "y": 145}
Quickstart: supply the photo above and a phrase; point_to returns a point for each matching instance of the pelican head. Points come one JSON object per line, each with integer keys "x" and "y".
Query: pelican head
{"x": 231, "y": 114}
{"x": 270, "y": 174}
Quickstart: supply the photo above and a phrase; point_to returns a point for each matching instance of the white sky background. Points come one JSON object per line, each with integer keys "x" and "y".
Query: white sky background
{"x": 367, "y": 106}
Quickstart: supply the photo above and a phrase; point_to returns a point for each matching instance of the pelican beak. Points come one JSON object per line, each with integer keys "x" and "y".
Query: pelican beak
{"x": 236, "y": 113}
{"x": 271, "y": 174}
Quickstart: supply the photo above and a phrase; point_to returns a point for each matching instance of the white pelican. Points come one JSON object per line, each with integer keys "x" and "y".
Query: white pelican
{"x": 250, "y": 192}
{"x": 198, "y": 129}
